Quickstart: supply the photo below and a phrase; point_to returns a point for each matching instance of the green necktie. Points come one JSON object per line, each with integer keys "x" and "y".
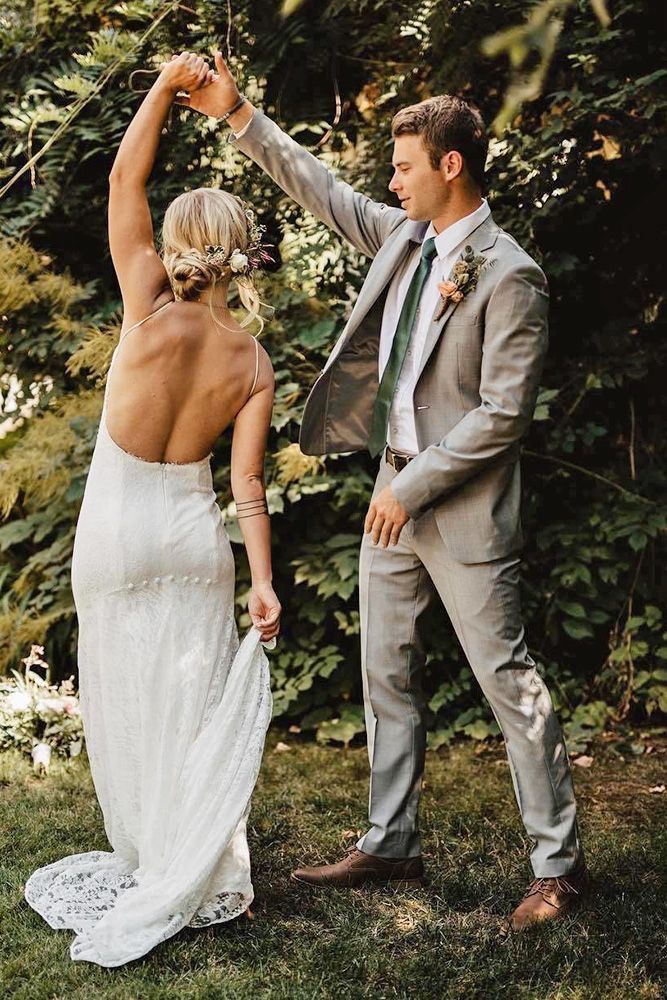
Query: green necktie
{"x": 378, "y": 435}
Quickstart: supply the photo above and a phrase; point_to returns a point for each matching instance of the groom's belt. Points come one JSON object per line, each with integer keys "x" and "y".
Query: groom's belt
{"x": 395, "y": 459}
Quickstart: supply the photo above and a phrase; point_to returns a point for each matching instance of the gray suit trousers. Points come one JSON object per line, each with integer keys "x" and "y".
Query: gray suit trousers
{"x": 482, "y": 600}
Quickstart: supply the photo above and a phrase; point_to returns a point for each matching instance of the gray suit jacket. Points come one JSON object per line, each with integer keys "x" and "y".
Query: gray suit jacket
{"x": 480, "y": 369}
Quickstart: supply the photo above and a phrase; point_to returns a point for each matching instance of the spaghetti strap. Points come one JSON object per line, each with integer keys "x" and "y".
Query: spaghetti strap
{"x": 256, "y": 365}
{"x": 154, "y": 313}
{"x": 122, "y": 338}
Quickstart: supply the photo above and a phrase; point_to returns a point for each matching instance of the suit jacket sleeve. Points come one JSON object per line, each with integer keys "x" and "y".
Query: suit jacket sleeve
{"x": 360, "y": 220}
{"x": 513, "y": 352}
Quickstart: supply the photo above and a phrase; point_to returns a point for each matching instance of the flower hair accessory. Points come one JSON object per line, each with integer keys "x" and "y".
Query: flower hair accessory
{"x": 242, "y": 261}
{"x": 463, "y": 278}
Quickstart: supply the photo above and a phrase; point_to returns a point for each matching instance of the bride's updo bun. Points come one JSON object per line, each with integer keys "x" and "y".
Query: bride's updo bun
{"x": 191, "y": 274}
{"x": 195, "y": 222}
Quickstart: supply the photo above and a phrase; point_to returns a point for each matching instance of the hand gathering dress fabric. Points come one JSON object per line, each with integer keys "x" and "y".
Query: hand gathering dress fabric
{"x": 175, "y": 711}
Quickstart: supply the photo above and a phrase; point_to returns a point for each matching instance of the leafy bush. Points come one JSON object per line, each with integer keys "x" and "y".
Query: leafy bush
{"x": 574, "y": 177}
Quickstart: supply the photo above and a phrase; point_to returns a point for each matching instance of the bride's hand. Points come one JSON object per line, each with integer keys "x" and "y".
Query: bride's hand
{"x": 264, "y": 608}
{"x": 186, "y": 71}
{"x": 218, "y": 96}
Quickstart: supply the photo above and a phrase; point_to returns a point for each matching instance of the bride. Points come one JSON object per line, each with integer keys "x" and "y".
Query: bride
{"x": 175, "y": 710}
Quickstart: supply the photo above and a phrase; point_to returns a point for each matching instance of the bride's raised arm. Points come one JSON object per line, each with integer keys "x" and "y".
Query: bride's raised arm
{"x": 140, "y": 272}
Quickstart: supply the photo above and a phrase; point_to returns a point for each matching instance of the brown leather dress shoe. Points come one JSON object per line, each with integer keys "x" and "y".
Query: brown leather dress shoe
{"x": 548, "y": 899}
{"x": 357, "y": 868}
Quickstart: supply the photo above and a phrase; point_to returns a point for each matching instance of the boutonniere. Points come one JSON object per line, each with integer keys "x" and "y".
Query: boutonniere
{"x": 462, "y": 280}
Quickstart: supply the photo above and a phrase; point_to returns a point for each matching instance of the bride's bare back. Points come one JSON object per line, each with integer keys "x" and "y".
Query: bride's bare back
{"x": 179, "y": 381}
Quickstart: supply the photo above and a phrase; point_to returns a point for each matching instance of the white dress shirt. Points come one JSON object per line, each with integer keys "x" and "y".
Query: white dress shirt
{"x": 401, "y": 432}
{"x": 237, "y": 135}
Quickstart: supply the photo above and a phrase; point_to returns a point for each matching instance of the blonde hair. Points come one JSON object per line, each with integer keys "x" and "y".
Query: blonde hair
{"x": 193, "y": 220}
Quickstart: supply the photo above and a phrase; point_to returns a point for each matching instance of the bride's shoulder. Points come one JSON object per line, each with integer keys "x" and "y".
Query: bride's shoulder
{"x": 178, "y": 324}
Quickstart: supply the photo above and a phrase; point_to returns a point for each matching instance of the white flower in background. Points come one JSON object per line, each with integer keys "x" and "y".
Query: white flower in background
{"x": 38, "y": 717}
{"x": 50, "y": 706}
{"x": 238, "y": 261}
{"x": 18, "y": 701}
{"x": 35, "y": 657}
{"x": 41, "y": 758}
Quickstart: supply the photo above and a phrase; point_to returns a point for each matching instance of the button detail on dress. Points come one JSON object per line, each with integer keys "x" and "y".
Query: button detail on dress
{"x": 196, "y": 579}
{"x": 208, "y": 581}
{"x": 130, "y": 586}
{"x": 185, "y": 579}
{"x": 144, "y": 583}
{"x": 157, "y": 579}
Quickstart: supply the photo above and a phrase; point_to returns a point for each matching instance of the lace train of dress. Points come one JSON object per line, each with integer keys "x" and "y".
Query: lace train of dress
{"x": 175, "y": 712}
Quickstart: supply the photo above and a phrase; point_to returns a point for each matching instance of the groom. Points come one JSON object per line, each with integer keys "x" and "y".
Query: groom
{"x": 436, "y": 373}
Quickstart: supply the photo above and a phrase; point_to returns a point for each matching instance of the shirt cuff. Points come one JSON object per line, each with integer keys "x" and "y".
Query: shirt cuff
{"x": 237, "y": 135}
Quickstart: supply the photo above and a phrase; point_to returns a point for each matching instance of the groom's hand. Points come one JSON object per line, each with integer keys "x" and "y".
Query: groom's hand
{"x": 386, "y": 518}
{"x": 218, "y": 96}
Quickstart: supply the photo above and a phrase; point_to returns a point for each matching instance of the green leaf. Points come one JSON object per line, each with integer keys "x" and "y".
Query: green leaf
{"x": 575, "y": 610}
{"x": 480, "y": 729}
{"x": 577, "y": 629}
{"x": 439, "y": 737}
{"x": 637, "y": 540}
{"x": 344, "y": 728}
{"x": 14, "y": 532}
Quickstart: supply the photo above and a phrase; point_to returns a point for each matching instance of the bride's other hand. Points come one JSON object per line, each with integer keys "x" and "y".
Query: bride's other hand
{"x": 264, "y": 608}
{"x": 218, "y": 96}
{"x": 186, "y": 71}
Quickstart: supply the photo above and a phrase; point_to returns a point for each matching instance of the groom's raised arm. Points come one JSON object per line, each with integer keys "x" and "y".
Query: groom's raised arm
{"x": 360, "y": 220}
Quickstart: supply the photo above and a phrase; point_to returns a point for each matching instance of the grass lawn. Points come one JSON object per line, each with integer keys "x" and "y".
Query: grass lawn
{"x": 439, "y": 942}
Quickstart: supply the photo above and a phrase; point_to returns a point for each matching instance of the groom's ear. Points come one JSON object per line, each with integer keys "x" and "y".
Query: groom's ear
{"x": 452, "y": 164}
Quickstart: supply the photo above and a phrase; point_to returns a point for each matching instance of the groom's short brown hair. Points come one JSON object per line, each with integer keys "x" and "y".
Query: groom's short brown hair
{"x": 445, "y": 123}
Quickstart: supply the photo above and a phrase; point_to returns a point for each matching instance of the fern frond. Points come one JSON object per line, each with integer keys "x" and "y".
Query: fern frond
{"x": 21, "y": 628}
{"x": 94, "y": 353}
{"x": 39, "y": 466}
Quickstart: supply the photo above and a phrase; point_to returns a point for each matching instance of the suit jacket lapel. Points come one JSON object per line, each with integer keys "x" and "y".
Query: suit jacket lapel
{"x": 481, "y": 239}
{"x": 388, "y": 260}
{"x": 392, "y": 256}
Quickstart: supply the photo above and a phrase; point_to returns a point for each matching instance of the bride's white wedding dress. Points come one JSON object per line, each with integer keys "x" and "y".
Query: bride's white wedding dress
{"x": 175, "y": 711}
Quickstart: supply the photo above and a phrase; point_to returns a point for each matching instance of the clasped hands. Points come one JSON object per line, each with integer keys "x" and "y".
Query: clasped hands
{"x": 211, "y": 92}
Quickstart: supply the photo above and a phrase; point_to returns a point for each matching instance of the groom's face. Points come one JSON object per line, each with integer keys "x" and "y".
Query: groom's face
{"x": 422, "y": 190}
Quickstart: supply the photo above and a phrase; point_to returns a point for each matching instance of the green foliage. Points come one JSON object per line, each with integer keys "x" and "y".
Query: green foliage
{"x": 344, "y": 728}
{"x": 530, "y": 48}
{"x": 574, "y": 177}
